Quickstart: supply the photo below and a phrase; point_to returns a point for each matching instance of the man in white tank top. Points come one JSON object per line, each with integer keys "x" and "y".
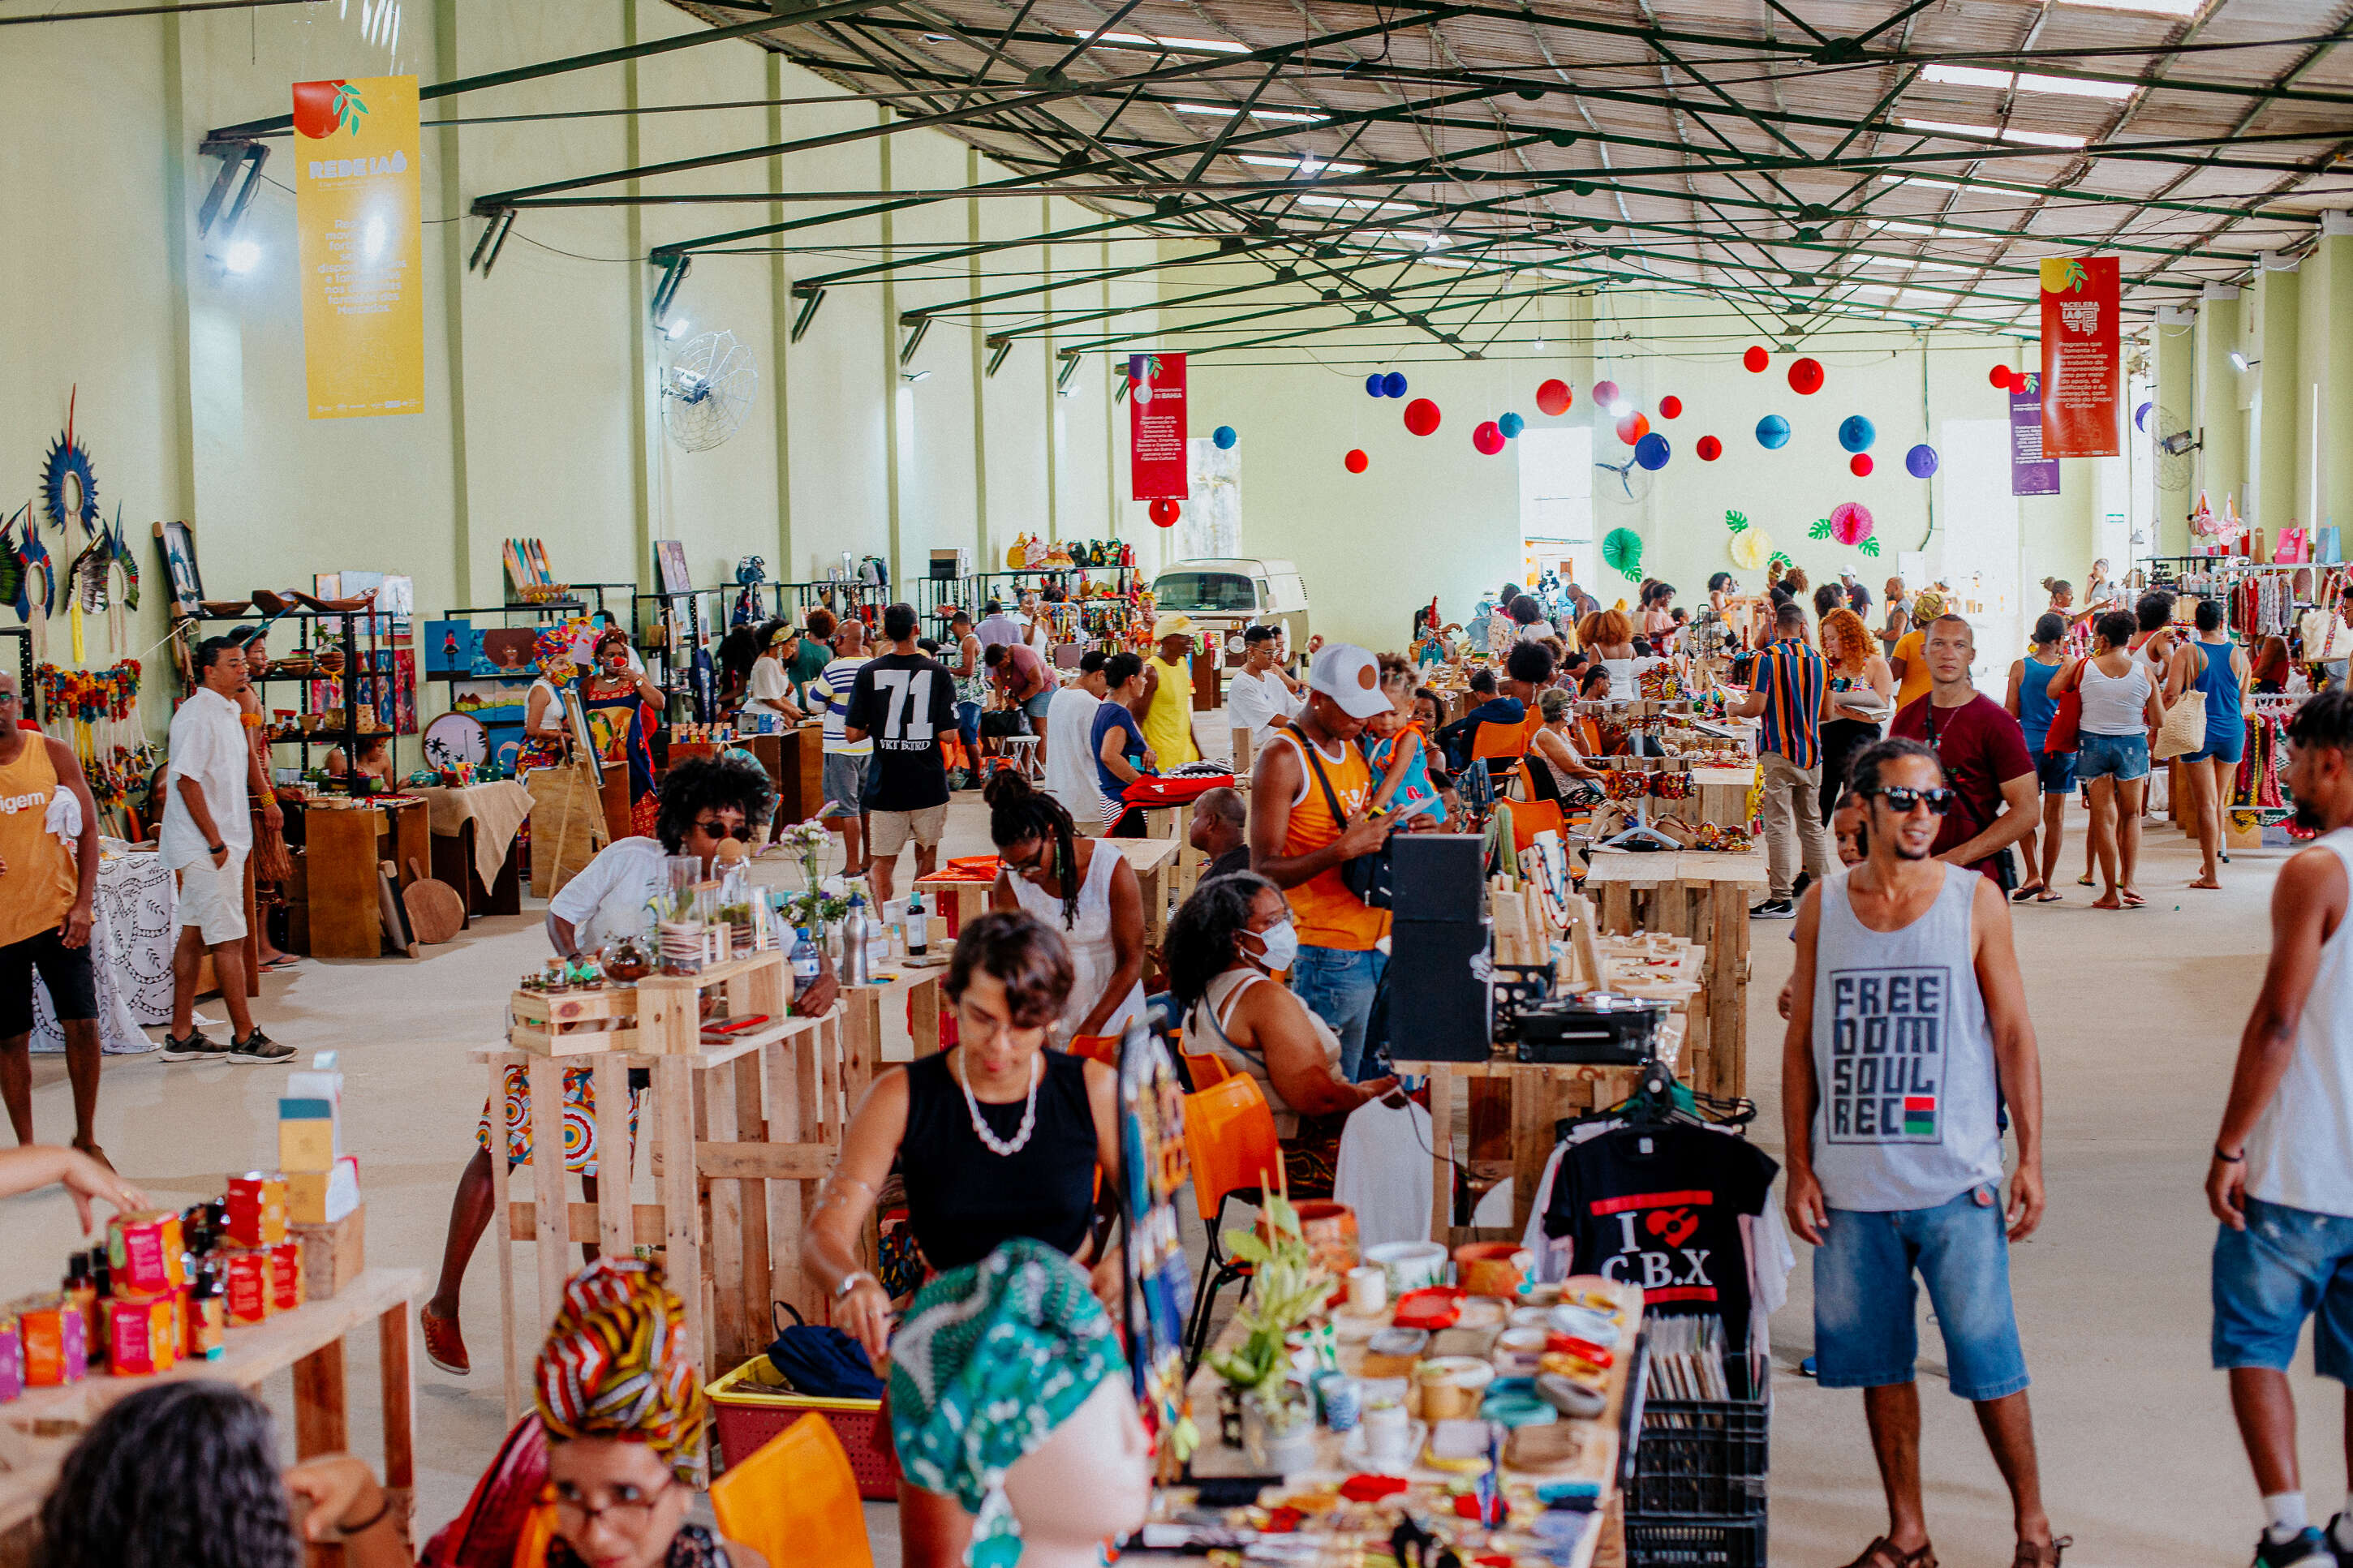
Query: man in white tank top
{"x": 2281, "y": 1180}
{"x": 1907, "y": 1018}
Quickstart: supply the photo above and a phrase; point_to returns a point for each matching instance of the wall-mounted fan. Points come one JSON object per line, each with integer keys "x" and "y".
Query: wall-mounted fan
{"x": 1629, "y": 483}
{"x": 2171, "y": 443}
{"x": 706, "y": 389}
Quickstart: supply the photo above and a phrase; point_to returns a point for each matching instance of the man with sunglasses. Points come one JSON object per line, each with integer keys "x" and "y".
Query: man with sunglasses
{"x": 1997, "y": 798}
{"x": 1905, "y": 1003}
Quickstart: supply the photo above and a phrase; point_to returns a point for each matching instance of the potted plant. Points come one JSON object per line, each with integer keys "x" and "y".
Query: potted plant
{"x": 1287, "y": 1288}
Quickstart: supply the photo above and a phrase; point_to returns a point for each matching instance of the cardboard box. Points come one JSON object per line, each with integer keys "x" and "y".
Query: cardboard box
{"x": 333, "y": 1255}
{"x": 306, "y": 1142}
{"x": 322, "y": 1198}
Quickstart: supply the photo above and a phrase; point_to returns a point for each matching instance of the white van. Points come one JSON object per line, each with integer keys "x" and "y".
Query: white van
{"x": 1225, "y": 595}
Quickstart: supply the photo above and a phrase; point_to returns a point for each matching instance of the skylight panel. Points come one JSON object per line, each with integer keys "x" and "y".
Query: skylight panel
{"x": 1992, "y": 132}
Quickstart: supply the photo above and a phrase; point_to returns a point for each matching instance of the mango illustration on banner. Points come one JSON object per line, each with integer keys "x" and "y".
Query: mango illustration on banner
{"x": 359, "y": 216}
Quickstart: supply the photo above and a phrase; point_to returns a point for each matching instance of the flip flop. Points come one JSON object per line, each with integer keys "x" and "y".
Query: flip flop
{"x": 2024, "y": 895}
{"x": 2047, "y": 897}
{"x": 2132, "y": 901}
{"x": 2085, "y": 882}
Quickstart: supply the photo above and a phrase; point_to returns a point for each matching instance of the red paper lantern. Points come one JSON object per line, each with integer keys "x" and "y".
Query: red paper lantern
{"x": 1756, "y": 359}
{"x": 2001, "y": 375}
{"x": 1709, "y": 449}
{"x": 1860, "y": 464}
{"x": 1554, "y": 397}
{"x": 1806, "y": 377}
{"x": 1633, "y": 427}
{"x": 1488, "y": 438}
{"x": 1164, "y": 511}
{"x": 1671, "y": 407}
{"x": 1421, "y": 416}
{"x": 1355, "y": 462}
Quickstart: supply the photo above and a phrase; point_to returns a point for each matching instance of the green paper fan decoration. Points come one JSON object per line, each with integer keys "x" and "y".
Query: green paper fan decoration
{"x": 1621, "y": 552}
{"x": 1736, "y": 520}
{"x": 1821, "y": 530}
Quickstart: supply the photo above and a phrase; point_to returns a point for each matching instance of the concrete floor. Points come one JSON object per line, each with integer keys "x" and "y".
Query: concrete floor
{"x": 2139, "y": 1014}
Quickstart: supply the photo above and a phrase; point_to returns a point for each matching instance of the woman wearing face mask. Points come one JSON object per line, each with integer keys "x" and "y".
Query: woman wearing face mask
{"x": 1231, "y": 935}
{"x": 624, "y": 705}
{"x": 1083, "y": 888}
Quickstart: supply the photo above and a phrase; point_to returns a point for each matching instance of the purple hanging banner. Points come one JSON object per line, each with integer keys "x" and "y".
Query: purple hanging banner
{"x": 2030, "y": 473}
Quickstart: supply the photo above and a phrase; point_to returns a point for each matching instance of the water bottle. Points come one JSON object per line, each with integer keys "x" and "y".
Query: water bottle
{"x": 855, "y": 930}
{"x": 919, "y": 933}
{"x": 807, "y": 962}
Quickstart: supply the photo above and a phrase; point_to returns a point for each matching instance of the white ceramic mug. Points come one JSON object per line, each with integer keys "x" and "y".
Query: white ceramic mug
{"x": 1411, "y": 1264}
{"x": 1387, "y": 1434}
{"x": 1369, "y": 1289}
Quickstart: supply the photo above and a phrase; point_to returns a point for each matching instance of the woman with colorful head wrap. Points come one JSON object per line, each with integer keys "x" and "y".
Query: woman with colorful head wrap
{"x": 546, "y": 739}
{"x": 620, "y": 1404}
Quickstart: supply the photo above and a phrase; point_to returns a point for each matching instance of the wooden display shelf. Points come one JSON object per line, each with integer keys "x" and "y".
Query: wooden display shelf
{"x": 1703, "y": 896}
{"x": 1154, "y": 860}
{"x": 41, "y": 1428}
{"x": 659, "y": 1015}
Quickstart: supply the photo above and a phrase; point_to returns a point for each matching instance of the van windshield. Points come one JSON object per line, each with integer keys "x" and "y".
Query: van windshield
{"x": 1204, "y": 592}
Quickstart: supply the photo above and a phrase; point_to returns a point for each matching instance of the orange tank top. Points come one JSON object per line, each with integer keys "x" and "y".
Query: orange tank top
{"x": 37, "y": 888}
{"x": 1326, "y": 912}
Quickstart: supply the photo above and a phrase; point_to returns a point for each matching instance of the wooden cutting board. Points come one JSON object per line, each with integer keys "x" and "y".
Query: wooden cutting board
{"x": 391, "y": 911}
{"x": 436, "y": 912}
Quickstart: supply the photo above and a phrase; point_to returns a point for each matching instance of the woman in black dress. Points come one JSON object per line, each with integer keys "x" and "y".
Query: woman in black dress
{"x": 995, "y": 1138}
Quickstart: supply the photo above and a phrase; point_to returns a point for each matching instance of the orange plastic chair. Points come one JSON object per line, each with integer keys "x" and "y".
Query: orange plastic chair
{"x": 1531, "y": 815}
{"x": 795, "y": 1499}
{"x": 1231, "y": 1143}
{"x": 1206, "y": 1071}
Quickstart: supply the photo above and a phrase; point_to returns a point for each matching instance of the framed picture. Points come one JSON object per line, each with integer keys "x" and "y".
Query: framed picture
{"x": 584, "y": 740}
{"x": 451, "y": 646}
{"x": 179, "y": 546}
{"x": 670, "y": 562}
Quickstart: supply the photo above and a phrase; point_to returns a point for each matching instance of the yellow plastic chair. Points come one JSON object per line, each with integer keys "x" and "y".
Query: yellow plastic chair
{"x": 796, "y": 1500}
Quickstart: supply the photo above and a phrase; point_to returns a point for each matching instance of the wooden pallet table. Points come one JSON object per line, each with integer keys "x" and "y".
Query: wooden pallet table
{"x": 39, "y": 1427}
{"x": 1704, "y": 896}
{"x": 1155, "y": 861}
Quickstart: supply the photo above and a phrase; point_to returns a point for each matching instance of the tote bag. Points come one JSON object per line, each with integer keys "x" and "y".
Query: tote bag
{"x": 2066, "y": 735}
{"x": 2184, "y": 729}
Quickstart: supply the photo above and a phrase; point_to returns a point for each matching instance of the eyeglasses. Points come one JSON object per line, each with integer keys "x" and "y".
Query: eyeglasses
{"x": 629, "y": 1512}
{"x": 1902, "y": 798}
{"x": 712, "y": 829}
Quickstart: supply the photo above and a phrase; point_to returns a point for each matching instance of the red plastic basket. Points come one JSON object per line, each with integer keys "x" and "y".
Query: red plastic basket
{"x": 753, "y": 1405}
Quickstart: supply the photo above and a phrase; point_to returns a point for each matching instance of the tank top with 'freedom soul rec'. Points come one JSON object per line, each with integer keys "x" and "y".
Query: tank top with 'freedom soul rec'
{"x": 1903, "y": 1056}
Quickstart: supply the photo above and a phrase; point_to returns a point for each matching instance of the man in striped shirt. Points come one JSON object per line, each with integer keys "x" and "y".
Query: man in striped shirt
{"x": 1786, "y": 689}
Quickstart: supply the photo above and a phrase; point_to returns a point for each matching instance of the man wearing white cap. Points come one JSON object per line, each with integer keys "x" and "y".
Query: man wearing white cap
{"x": 1168, "y": 694}
{"x": 1308, "y": 819}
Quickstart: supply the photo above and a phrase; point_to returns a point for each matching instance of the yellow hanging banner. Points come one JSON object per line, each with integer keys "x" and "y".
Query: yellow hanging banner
{"x": 358, "y": 209}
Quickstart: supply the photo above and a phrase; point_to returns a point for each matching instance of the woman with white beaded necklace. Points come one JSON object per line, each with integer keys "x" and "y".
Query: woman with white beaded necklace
{"x": 998, "y": 1137}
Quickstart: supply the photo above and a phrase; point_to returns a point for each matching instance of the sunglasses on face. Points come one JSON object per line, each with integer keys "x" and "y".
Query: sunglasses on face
{"x": 1902, "y": 798}
{"x": 741, "y": 830}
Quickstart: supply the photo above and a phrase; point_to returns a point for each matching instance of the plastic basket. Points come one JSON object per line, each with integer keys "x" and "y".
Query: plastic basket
{"x": 1703, "y": 1458}
{"x": 753, "y": 1405}
{"x": 1696, "y": 1542}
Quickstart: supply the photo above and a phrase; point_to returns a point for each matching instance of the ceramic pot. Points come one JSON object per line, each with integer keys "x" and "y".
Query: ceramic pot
{"x": 1331, "y": 1232}
{"x": 1411, "y": 1264}
{"x": 1491, "y": 1267}
{"x": 1279, "y": 1436}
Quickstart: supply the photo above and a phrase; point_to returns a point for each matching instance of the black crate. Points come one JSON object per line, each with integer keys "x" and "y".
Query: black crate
{"x": 1696, "y": 1542}
{"x": 1704, "y": 1458}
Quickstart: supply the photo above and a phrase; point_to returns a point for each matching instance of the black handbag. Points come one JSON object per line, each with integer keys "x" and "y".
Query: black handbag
{"x": 1371, "y": 878}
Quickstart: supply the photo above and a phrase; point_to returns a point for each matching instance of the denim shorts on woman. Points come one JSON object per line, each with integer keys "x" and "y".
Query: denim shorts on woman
{"x": 1866, "y": 1303}
{"x": 2288, "y": 1265}
{"x": 2226, "y": 746}
{"x": 2054, "y": 771}
{"x": 2124, "y": 756}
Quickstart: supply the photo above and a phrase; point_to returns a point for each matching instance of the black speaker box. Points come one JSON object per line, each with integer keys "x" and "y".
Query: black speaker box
{"x": 1438, "y": 1002}
{"x": 1437, "y": 877}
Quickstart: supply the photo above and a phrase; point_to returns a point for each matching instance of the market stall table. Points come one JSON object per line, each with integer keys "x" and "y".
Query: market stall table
{"x": 963, "y": 897}
{"x": 130, "y": 937}
{"x": 481, "y": 824}
{"x": 1703, "y": 895}
{"x": 344, "y": 843}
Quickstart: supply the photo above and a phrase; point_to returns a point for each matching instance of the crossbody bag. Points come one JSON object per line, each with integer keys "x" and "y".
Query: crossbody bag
{"x": 1370, "y": 878}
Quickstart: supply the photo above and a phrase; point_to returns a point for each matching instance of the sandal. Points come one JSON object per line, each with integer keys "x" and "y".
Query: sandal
{"x": 2031, "y": 1556}
{"x": 2047, "y": 897}
{"x": 1884, "y": 1554}
{"x": 2085, "y": 882}
{"x": 2027, "y": 894}
{"x": 445, "y": 1346}
{"x": 2132, "y": 901}
{"x": 95, "y": 1153}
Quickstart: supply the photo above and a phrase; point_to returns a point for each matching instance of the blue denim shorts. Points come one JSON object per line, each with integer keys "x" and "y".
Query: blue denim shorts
{"x": 1866, "y": 1301}
{"x": 2221, "y": 746}
{"x": 2288, "y": 1265}
{"x": 2054, "y": 771}
{"x": 2124, "y": 756}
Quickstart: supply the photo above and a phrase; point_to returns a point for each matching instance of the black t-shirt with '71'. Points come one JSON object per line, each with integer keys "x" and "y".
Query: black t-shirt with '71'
{"x": 905, "y": 702}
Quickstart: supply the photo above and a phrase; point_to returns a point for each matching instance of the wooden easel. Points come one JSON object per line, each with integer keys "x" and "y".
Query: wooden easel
{"x": 573, "y": 794}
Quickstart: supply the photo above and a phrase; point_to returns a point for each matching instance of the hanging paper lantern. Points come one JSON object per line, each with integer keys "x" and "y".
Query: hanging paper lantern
{"x": 1772, "y": 432}
{"x": 1393, "y": 384}
{"x": 1859, "y": 464}
{"x": 1164, "y": 511}
{"x": 1553, "y": 398}
{"x": 1806, "y": 377}
{"x": 1621, "y": 552}
{"x": 1709, "y": 449}
{"x": 1355, "y": 462}
{"x": 2001, "y": 375}
{"x": 1374, "y": 385}
{"x": 1488, "y": 438}
{"x": 1605, "y": 393}
{"x": 1750, "y": 550}
{"x": 1856, "y": 434}
{"x": 1756, "y": 359}
{"x": 1421, "y": 416}
{"x": 1633, "y": 427}
{"x": 1511, "y": 425}
{"x": 1225, "y": 437}
{"x": 1671, "y": 407}
{"x": 2140, "y": 417}
{"x": 1850, "y": 524}
{"x": 1920, "y": 462}
{"x": 1652, "y": 451}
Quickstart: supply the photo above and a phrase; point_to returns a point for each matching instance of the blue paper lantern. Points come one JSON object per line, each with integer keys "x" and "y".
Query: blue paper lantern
{"x": 1855, "y": 433}
{"x": 1920, "y": 462}
{"x": 1511, "y": 425}
{"x": 1224, "y": 437}
{"x": 1375, "y": 386}
{"x": 1652, "y": 451}
{"x": 1393, "y": 384}
{"x": 1772, "y": 432}
{"x": 2140, "y": 417}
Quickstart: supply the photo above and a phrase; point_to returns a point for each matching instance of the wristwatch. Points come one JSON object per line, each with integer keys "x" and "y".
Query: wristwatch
{"x": 215, "y": 848}
{"x": 848, "y": 1283}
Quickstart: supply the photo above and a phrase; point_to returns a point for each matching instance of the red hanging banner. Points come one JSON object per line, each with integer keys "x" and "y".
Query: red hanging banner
{"x": 2081, "y": 372}
{"x": 1156, "y": 427}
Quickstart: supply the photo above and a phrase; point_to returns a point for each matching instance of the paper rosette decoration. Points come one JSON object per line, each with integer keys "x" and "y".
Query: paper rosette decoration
{"x": 1750, "y": 549}
{"x": 1850, "y": 524}
{"x": 1621, "y": 552}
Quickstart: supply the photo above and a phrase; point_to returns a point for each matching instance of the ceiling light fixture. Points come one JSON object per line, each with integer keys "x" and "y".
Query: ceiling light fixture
{"x": 1875, "y": 258}
{"x": 2241, "y": 362}
{"x": 2026, "y": 81}
{"x": 1225, "y": 111}
{"x": 1149, "y": 41}
{"x": 1306, "y": 164}
{"x": 243, "y": 256}
{"x": 2154, "y": 7}
{"x": 1923, "y": 230}
{"x": 1994, "y": 132}
{"x": 912, "y": 376}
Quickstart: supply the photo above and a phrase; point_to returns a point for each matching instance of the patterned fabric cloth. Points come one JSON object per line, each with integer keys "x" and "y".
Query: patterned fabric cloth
{"x": 131, "y": 932}
{"x": 616, "y": 1364}
{"x": 580, "y": 1150}
{"x": 988, "y": 1361}
{"x": 1793, "y": 679}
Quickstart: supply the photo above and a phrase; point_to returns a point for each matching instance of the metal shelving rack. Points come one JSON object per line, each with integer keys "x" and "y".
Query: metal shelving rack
{"x": 306, "y": 622}
{"x": 25, "y": 684}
